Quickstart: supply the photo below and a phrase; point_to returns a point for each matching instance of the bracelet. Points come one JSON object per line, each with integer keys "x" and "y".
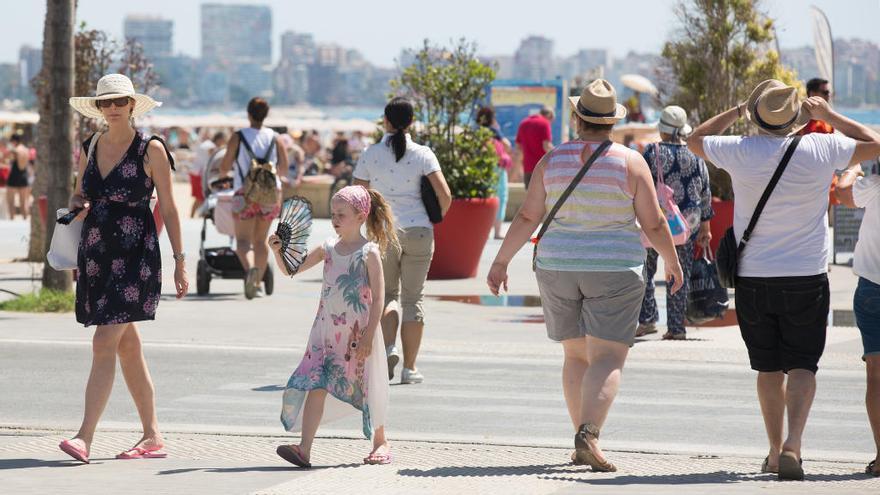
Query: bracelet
{"x": 739, "y": 112}
{"x": 181, "y": 256}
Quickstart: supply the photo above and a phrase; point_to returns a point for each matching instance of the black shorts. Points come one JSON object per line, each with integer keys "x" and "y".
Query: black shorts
{"x": 783, "y": 320}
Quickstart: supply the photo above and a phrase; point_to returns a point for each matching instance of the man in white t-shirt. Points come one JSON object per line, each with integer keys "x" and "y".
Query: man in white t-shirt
{"x": 864, "y": 192}
{"x": 782, "y": 294}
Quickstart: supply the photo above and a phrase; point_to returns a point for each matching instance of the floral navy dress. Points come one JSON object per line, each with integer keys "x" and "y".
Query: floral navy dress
{"x": 330, "y": 361}
{"x": 119, "y": 276}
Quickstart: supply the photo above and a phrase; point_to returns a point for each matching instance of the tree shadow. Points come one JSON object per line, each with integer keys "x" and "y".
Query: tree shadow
{"x": 565, "y": 472}
{"x": 35, "y": 463}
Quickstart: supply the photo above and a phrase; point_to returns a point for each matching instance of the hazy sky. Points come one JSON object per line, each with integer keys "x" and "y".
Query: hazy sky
{"x": 380, "y": 28}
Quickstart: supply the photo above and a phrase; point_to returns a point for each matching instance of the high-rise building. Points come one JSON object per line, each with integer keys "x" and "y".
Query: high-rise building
{"x": 152, "y": 32}
{"x": 291, "y": 77}
{"x": 533, "y": 59}
{"x": 30, "y": 60}
{"x": 9, "y": 86}
{"x": 237, "y": 40}
{"x": 234, "y": 34}
{"x": 585, "y": 62}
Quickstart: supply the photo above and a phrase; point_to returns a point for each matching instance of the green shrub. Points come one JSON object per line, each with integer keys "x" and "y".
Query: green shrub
{"x": 44, "y": 301}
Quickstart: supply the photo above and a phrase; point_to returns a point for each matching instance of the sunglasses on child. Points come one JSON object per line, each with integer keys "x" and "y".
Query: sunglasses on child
{"x": 119, "y": 102}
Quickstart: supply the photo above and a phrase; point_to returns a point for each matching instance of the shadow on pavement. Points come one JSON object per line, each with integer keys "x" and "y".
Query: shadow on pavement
{"x": 553, "y": 472}
{"x": 269, "y": 388}
{"x": 253, "y": 469}
{"x": 35, "y": 463}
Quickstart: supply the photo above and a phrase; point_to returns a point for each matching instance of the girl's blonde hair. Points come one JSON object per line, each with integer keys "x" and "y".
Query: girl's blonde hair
{"x": 380, "y": 222}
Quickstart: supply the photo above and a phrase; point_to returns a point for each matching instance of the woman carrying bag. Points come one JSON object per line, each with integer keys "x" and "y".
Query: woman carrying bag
{"x": 119, "y": 277}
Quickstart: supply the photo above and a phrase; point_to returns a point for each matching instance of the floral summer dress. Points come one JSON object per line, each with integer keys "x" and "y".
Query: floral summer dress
{"x": 330, "y": 361}
{"x": 119, "y": 276}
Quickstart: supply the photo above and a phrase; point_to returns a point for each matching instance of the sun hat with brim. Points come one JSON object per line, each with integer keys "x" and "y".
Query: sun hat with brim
{"x": 110, "y": 87}
{"x": 673, "y": 120}
{"x": 598, "y": 104}
{"x": 775, "y": 108}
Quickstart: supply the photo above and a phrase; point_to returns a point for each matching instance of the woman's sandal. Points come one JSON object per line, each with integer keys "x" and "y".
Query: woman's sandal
{"x": 871, "y": 469}
{"x": 574, "y": 459}
{"x": 790, "y": 467}
{"x": 293, "y": 455}
{"x": 765, "y": 466}
{"x": 143, "y": 453}
{"x": 73, "y": 448}
{"x": 379, "y": 459}
{"x": 585, "y": 455}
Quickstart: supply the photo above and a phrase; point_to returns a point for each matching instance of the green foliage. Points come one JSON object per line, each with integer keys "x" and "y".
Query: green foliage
{"x": 721, "y": 51}
{"x": 446, "y": 86}
{"x": 44, "y": 301}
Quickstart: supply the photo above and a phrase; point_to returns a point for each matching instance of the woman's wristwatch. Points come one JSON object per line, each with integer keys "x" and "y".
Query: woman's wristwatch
{"x": 181, "y": 256}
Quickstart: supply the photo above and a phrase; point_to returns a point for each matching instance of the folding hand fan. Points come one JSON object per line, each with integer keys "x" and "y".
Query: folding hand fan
{"x": 294, "y": 226}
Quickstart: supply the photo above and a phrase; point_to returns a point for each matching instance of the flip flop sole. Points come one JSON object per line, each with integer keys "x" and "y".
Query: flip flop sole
{"x": 790, "y": 468}
{"x": 73, "y": 452}
{"x": 292, "y": 456}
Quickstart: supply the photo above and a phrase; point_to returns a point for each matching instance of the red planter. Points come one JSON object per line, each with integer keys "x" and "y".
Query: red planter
{"x": 722, "y": 221}
{"x": 460, "y": 238}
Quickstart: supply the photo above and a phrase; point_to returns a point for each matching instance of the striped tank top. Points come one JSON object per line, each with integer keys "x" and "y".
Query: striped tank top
{"x": 595, "y": 229}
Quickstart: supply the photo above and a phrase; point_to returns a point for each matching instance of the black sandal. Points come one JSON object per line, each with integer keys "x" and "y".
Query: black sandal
{"x": 765, "y": 466}
{"x": 293, "y": 455}
{"x": 583, "y": 454}
{"x": 870, "y": 469}
{"x": 790, "y": 467}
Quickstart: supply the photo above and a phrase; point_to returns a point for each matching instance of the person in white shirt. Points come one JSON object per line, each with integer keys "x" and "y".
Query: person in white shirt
{"x": 864, "y": 192}
{"x": 394, "y": 167}
{"x": 782, "y": 294}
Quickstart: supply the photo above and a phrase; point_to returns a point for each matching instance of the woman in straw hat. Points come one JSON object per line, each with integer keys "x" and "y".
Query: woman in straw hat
{"x": 589, "y": 262}
{"x": 782, "y": 293}
{"x": 688, "y": 177}
{"x": 119, "y": 275}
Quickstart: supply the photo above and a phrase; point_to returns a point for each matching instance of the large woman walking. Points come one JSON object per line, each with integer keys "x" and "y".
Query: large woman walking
{"x": 119, "y": 265}
{"x": 589, "y": 262}
{"x": 395, "y": 167}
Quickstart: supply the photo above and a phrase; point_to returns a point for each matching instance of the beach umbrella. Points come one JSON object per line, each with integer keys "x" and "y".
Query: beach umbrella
{"x": 639, "y": 84}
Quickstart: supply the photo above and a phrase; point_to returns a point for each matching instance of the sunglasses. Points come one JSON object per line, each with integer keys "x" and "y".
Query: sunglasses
{"x": 119, "y": 102}
{"x": 826, "y": 92}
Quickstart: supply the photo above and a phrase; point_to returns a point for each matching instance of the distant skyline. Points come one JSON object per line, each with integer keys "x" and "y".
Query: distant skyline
{"x": 381, "y": 28}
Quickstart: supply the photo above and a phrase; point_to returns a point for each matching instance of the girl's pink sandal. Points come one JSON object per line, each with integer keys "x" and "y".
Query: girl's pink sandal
{"x": 73, "y": 449}
{"x": 379, "y": 459}
{"x": 143, "y": 453}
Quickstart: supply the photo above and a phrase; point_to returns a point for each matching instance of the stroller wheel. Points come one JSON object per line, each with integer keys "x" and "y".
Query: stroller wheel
{"x": 268, "y": 281}
{"x": 203, "y": 278}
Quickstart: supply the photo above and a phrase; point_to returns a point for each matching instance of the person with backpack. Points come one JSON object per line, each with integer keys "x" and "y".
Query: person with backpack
{"x": 257, "y": 172}
{"x": 780, "y": 248}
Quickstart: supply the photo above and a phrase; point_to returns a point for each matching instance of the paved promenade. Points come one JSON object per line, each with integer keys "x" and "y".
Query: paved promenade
{"x": 489, "y": 417}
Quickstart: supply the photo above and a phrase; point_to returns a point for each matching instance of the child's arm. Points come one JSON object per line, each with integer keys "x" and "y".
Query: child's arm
{"x": 377, "y": 288}
{"x": 313, "y": 258}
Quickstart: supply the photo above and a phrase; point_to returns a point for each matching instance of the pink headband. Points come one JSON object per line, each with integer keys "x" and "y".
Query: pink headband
{"x": 357, "y": 196}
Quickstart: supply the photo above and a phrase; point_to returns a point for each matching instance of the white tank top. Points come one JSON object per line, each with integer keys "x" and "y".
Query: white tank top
{"x": 259, "y": 140}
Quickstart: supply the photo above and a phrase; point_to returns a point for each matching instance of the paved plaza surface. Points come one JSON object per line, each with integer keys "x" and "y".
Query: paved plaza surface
{"x": 489, "y": 417}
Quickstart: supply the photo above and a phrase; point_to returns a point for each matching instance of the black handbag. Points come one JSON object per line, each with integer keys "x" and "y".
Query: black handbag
{"x": 429, "y": 199}
{"x": 574, "y": 182}
{"x": 729, "y": 251}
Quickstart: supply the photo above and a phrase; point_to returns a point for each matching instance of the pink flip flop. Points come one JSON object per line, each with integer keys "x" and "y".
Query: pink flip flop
{"x": 73, "y": 449}
{"x": 143, "y": 453}
{"x": 379, "y": 459}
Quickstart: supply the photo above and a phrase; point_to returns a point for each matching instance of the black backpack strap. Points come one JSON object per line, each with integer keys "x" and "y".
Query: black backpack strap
{"x": 247, "y": 146}
{"x": 769, "y": 190}
{"x": 164, "y": 146}
{"x": 574, "y": 182}
{"x": 271, "y": 147}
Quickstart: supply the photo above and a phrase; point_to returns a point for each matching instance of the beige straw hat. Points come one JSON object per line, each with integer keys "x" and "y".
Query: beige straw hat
{"x": 109, "y": 87}
{"x": 775, "y": 108}
{"x": 598, "y": 103}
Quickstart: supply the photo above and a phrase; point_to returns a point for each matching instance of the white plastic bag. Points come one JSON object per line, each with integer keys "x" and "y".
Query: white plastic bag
{"x": 65, "y": 243}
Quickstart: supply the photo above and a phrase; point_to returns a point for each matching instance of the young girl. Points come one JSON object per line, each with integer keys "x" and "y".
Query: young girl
{"x": 339, "y": 358}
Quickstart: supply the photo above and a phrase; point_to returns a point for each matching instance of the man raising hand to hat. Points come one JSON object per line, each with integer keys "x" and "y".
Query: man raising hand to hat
{"x": 782, "y": 295}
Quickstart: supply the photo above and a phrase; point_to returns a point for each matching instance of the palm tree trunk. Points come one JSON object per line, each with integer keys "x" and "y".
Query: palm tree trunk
{"x": 58, "y": 163}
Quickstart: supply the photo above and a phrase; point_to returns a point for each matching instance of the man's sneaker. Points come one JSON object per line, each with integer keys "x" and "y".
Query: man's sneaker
{"x": 408, "y": 376}
{"x": 645, "y": 329}
{"x": 393, "y": 358}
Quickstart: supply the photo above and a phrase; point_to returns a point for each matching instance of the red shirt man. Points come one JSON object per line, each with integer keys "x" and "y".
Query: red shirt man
{"x": 533, "y": 139}
{"x": 819, "y": 87}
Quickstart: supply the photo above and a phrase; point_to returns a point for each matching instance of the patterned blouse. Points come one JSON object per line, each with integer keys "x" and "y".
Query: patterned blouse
{"x": 688, "y": 177}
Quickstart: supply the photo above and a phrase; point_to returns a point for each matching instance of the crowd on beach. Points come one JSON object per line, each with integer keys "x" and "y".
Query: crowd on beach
{"x": 605, "y": 215}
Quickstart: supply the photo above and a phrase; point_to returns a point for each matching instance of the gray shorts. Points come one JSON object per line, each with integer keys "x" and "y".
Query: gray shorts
{"x": 604, "y": 305}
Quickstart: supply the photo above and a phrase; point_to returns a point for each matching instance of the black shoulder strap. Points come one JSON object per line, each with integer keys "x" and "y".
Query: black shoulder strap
{"x": 574, "y": 182}
{"x": 165, "y": 146}
{"x": 271, "y": 147}
{"x": 769, "y": 190}
{"x": 247, "y": 146}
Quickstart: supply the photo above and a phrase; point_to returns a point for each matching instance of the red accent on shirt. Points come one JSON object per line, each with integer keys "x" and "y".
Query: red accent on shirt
{"x": 822, "y": 127}
{"x": 530, "y": 137}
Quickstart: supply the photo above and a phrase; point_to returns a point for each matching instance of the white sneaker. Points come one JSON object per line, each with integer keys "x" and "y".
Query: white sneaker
{"x": 409, "y": 376}
{"x": 393, "y": 358}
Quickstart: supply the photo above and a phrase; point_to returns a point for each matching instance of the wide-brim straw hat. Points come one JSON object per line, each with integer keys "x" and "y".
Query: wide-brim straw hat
{"x": 598, "y": 103}
{"x": 109, "y": 87}
{"x": 673, "y": 120}
{"x": 775, "y": 108}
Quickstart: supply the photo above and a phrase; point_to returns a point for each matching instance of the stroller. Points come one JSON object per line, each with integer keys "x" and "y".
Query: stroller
{"x": 220, "y": 262}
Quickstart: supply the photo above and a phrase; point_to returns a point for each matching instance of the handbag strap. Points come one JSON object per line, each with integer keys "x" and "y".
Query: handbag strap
{"x": 92, "y": 144}
{"x": 658, "y": 164}
{"x": 574, "y": 182}
{"x": 769, "y": 190}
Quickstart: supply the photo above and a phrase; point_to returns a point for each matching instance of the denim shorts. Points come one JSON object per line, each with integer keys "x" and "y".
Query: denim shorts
{"x": 866, "y": 305}
{"x": 783, "y": 320}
